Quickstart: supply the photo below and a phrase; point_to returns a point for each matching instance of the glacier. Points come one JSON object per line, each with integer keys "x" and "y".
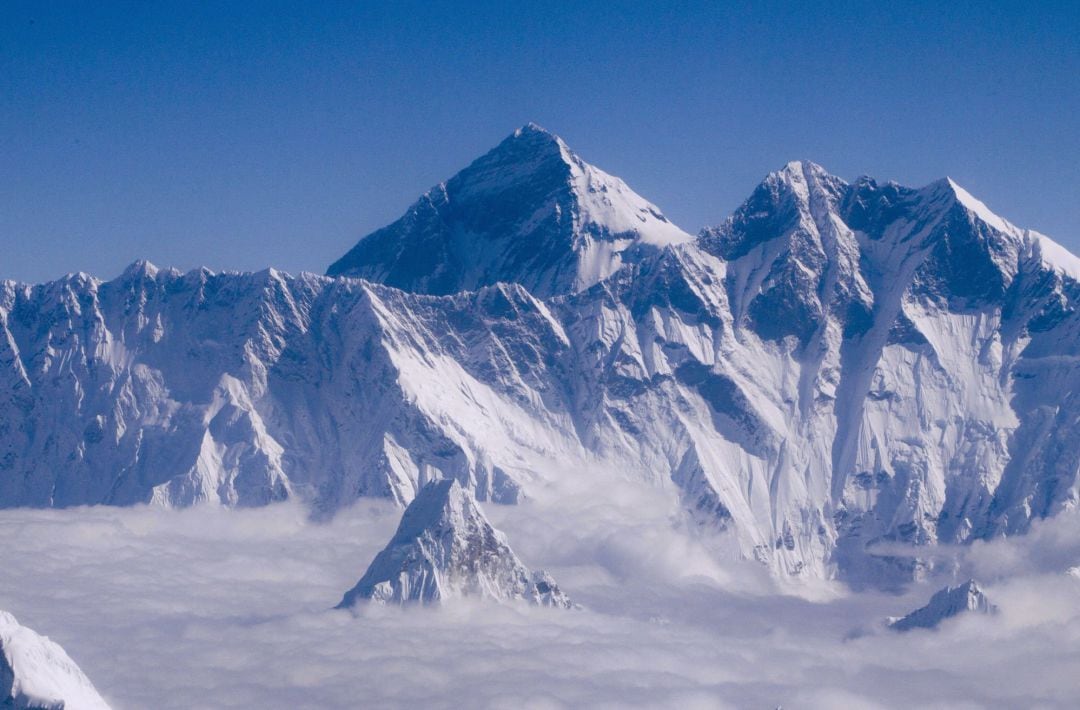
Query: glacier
{"x": 836, "y": 376}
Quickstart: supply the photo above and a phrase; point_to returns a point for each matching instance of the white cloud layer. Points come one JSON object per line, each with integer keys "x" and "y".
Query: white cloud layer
{"x": 231, "y": 609}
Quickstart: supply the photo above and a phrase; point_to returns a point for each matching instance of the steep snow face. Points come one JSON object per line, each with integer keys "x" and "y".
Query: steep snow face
{"x": 36, "y": 674}
{"x": 444, "y": 548}
{"x": 835, "y": 371}
{"x": 241, "y": 389}
{"x": 894, "y": 337}
{"x": 529, "y": 212}
{"x": 945, "y": 604}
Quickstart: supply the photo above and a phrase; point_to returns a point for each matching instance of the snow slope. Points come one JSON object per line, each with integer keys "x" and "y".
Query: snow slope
{"x": 835, "y": 371}
{"x": 444, "y": 548}
{"x": 36, "y": 674}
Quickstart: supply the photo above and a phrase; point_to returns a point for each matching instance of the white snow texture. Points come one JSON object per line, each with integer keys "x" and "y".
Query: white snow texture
{"x": 36, "y": 674}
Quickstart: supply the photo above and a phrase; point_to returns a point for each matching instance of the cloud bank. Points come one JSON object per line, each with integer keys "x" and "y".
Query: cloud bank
{"x": 207, "y": 608}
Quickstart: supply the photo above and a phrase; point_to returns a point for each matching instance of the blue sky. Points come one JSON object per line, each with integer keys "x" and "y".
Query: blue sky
{"x": 243, "y": 135}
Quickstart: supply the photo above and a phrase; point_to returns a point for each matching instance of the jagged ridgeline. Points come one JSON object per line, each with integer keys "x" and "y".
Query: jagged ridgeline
{"x": 834, "y": 365}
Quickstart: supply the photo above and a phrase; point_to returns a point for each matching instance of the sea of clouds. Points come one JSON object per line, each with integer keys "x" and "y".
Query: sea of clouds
{"x": 208, "y": 608}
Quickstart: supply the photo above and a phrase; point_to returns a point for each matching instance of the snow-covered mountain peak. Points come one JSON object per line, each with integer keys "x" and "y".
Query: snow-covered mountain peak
{"x": 978, "y": 208}
{"x": 528, "y": 156}
{"x": 537, "y": 136}
{"x": 946, "y": 603}
{"x": 804, "y": 232}
{"x": 801, "y": 193}
{"x": 36, "y": 673}
{"x": 533, "y": 127}
{"x": 139, "y": 269}
{"x": 439, "y": 504}
{"x": 444, "y": 548}
{"x": 805, "y": 177}
{"x": 529, "y": 211}
{"x": 972, "y": 255}
{"x": 1013, "y": 240}
{"x": 791, "y": 257}
{"x": 802, "y": 171}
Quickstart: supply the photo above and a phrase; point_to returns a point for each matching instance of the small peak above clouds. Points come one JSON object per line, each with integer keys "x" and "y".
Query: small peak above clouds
{"x": 445, "y": 548}
{"x": 945, "y": 604}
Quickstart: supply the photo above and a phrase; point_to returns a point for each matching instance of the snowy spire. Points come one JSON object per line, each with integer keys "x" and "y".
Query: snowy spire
{"x": 445, "y": 547}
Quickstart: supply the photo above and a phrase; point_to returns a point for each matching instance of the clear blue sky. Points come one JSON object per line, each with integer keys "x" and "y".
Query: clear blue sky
{"x": 240, "y": 135}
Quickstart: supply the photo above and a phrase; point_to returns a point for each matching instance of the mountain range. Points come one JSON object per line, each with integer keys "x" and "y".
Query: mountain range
{"x": 835, "y": 375}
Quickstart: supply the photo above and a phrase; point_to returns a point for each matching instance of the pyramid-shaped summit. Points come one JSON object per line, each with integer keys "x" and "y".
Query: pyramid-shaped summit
{"x": 445, "y": 548}
{"x": 530, "y": 211}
